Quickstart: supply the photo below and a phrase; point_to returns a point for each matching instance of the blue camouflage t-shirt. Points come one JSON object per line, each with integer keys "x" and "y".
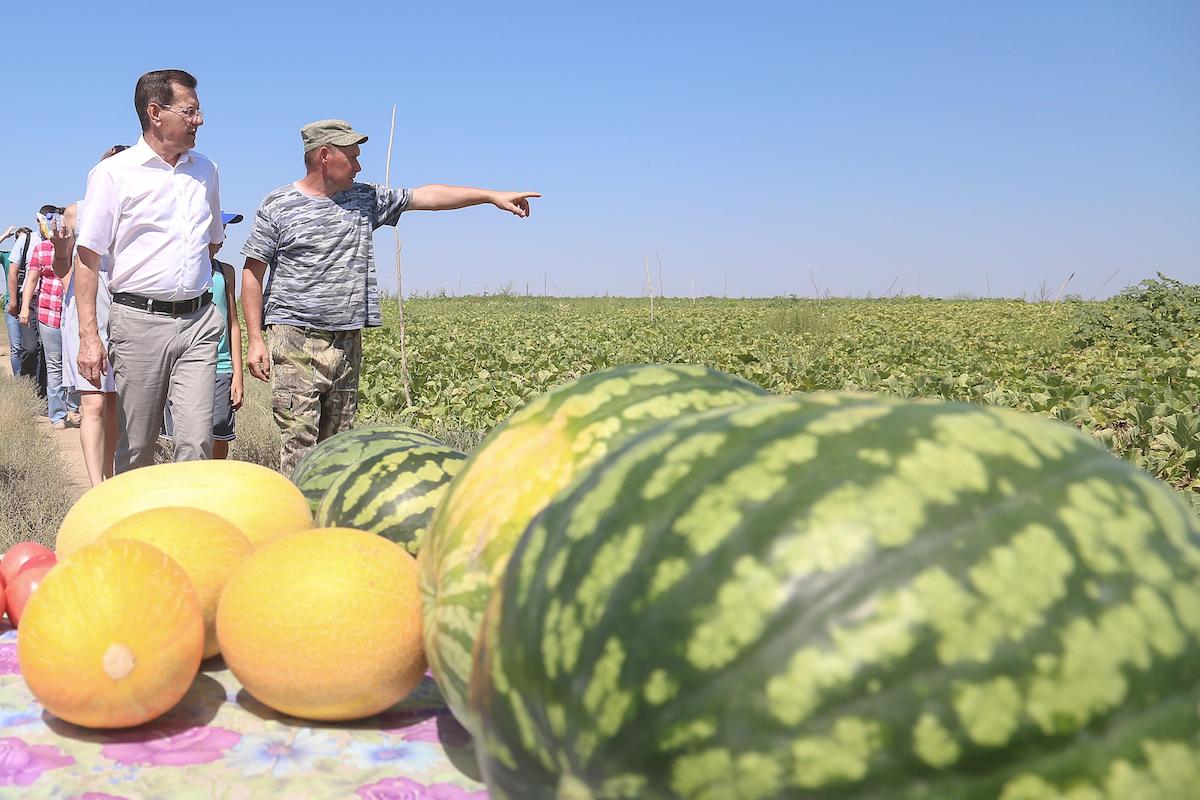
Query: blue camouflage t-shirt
{"x": 321, "y": 254}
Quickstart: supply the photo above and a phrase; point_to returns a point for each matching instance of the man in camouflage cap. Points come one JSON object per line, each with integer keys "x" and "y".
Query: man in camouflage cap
{"x": 316, "y": 237}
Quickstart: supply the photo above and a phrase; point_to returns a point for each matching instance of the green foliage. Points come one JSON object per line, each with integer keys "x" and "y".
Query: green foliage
{"x": 801, "y": 317}
{"x": 475, "y": 360}
{"x": 1161, "y": 313}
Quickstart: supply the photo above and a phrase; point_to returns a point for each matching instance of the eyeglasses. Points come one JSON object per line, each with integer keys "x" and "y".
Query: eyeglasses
{"x": 186, "y": 113}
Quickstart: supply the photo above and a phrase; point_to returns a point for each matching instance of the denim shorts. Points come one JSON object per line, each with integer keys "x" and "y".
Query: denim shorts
{"x": 223, "y": 409}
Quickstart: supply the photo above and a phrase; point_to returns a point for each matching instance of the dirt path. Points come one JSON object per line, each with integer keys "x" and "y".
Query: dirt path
{"x": 67, "y": 440}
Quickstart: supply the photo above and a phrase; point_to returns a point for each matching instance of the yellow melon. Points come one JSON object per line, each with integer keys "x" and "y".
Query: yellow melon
{"x": 206, "y": 545}
{"x": 324, "y": 624}
{"x": 113, "y": 635}
{"x": 259, "y": 501}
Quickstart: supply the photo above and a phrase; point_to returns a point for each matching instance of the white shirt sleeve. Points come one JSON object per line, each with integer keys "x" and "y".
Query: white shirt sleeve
{"x": 216, "y": 231}
{"x": 99, "y": 229}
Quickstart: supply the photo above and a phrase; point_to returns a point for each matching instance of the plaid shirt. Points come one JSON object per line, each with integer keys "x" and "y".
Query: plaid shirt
{"x": 50, "y": 289}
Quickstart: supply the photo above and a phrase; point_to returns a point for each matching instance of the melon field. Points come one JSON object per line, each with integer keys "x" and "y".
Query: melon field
{"x": 1127, "y": 370}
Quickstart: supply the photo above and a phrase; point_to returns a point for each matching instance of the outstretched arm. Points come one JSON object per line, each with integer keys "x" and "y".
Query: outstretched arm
{"x": 439, "y": 197}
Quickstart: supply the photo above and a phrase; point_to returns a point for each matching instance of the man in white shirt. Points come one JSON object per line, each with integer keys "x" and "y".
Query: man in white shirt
{"x": 156, "y": 209}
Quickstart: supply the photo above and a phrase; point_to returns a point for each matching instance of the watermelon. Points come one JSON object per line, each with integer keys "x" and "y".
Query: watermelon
{"x": 325, "y": 462}
{"x": 842, "y": 596}
{"x": 392, "y": 493}
{"x": 516, "y": 470}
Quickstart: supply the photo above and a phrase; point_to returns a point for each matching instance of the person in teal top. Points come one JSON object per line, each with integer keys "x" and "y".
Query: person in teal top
{"x": 228, "y": 397}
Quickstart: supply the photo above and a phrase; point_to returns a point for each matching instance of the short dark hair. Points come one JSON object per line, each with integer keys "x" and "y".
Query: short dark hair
{"x": 158, "y": 87}
{"x": 51, "y": 209}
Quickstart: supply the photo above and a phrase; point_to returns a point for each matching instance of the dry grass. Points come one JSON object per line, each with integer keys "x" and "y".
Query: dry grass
{"x": 34, "y": 483}
{"x": 452, "y": 435}
{"x": 257, "y": 434}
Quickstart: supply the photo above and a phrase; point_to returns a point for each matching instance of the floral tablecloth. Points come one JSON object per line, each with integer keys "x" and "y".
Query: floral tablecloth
{"x": 219, "y": 743}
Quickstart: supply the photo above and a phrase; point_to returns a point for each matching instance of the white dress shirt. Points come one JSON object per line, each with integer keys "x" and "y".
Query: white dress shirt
{"x": 156, "y": 221}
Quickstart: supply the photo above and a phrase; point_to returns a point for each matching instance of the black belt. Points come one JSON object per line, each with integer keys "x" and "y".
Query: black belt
{"x": 176, "y": 308}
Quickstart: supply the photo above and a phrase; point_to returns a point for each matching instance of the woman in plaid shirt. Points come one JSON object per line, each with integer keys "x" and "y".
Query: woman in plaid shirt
{"x": 43, "y": 281}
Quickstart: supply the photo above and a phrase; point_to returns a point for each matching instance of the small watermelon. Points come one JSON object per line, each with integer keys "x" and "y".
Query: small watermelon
{"x": 391, "y": 493}
{"x": 843, "y": 596}
{"x": 516, "y": 470}
{"x": 325, "y": 462}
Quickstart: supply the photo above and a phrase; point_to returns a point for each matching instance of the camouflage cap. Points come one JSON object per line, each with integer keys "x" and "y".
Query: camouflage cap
{"x": 329, "y": 131}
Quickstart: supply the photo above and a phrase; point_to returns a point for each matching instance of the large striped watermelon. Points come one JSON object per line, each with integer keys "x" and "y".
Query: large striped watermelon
{"x": 391, "y": 493}
{"x": 325, "y": 462}
{"x": 840, "y": 596}
{"x": 516, "y": 470}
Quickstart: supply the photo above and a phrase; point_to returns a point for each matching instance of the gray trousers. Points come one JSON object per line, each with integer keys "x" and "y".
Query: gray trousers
{"x": 156, "y": 357}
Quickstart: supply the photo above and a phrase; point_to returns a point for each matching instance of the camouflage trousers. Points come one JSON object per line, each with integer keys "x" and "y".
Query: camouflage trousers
{"x": 314, "y": 386}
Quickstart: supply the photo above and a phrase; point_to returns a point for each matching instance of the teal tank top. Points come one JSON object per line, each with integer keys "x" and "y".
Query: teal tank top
{"x": 224, "y": 358}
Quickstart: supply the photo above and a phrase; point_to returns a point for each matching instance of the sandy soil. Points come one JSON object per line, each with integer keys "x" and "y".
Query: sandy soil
{"x": 67, "y": 440}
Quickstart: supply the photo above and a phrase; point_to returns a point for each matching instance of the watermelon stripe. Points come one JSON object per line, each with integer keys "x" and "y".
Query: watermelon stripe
{"x": 841, "y": 596}
{"x": 392, "y": 493}
{"x": 516, "y": 471}
{"x": 326, "y": 462}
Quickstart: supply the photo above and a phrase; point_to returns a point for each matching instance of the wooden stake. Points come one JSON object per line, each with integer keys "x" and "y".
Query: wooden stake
{"x": 387, "y": 179}
{"x": 1060, "y": 291}
{"x": 650, "y": 284}
{"x": 1101, "y": 289}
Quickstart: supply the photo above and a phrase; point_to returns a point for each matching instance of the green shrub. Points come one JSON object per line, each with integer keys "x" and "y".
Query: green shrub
{"x": 1163, "y": 313}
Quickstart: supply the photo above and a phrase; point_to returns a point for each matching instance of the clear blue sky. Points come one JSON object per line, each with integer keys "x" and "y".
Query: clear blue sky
{"x": 946, "y": 147}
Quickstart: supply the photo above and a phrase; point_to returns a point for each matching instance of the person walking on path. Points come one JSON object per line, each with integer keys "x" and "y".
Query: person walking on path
{"x": 23, "y": 342}
{"x": 156, "y": 209}
{"x": 98, "y": 433}
{"x": 12, "y": 291}
{"x": 228, "y": 395}
{"x": 49, "y": 268}
{"x": 315, "y": 235}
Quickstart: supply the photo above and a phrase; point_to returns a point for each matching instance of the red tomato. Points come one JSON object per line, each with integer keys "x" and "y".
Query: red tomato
{"x": 16, "y": 594}
{"x": 39, "y": 560}
{"x": 17, "y": 555}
